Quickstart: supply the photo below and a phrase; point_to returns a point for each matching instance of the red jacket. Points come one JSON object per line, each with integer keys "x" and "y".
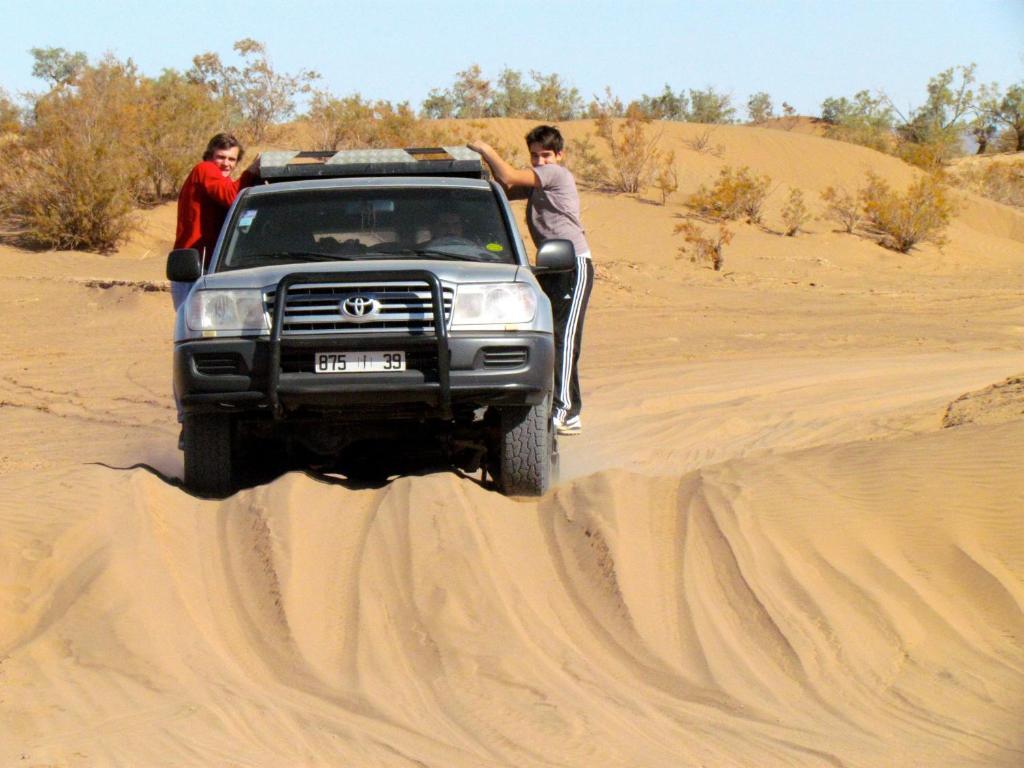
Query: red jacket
{"x": 203, "y": 203}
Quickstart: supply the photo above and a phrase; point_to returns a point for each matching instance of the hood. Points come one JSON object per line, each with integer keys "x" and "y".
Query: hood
{"x": 452, "y": 272}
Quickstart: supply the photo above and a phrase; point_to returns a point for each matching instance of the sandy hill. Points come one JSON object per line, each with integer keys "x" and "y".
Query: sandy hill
{"x": 790, "y": 535}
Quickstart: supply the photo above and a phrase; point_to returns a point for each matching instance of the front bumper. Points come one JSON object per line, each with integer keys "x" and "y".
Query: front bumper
{"x": 483, "y": 369}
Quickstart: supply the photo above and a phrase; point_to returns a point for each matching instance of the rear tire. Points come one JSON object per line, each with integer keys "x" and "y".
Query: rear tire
{"x": 525, "y": 448}
{"x": 209, "y": 459}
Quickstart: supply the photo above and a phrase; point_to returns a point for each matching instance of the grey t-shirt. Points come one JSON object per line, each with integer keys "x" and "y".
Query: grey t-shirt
{"x": 553, "y": 209}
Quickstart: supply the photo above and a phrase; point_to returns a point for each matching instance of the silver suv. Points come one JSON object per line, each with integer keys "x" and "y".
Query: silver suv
{"x": 366, "y": 323}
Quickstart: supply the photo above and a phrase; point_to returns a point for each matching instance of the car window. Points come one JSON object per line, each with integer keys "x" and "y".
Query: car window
{"x": 366, "y": 224}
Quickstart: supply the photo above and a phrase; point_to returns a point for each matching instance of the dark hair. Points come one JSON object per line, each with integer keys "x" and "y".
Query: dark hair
{"x": 223, "y": 141}
{"x": 547, "y": 136}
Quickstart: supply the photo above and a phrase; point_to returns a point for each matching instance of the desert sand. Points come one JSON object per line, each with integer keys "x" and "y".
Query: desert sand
{"x": 791, "y": 533}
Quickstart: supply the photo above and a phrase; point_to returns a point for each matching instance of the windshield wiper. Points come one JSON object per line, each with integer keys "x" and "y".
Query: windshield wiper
{"x": 419, "y": 253}
{"x": 305, "y": 256}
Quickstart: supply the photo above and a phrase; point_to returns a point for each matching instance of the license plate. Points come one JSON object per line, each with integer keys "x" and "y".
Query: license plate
{"x": 358, "y": 362}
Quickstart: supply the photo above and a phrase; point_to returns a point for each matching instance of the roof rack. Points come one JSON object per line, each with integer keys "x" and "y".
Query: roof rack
{"x": 293, "y": 165}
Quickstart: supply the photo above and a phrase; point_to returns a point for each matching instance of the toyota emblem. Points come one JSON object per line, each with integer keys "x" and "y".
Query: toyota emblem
{"x": 360, "y": 307}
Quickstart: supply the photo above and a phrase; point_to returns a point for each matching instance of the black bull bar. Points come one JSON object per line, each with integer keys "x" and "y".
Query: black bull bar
{"x": 439, "y": 339}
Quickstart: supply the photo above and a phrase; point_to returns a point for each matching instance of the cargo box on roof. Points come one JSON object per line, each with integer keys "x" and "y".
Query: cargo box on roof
{"x": 293, "y": 165}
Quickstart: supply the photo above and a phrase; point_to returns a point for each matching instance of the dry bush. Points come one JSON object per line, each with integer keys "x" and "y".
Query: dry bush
{"x": 586, "y": 166}
{"x": 177, "y": 118}
{"x": 702, "y": 143}
{"x": 930, "y": 155}
{"x": 68, "y": 200}
{"x": 10, "y": 115}
{"x": 81, "y": 174}
{"x": 354, "y": 123}
{"x": 634, "y": 152}
{"x": 921, "y": 214}
{"x": 795, "y": 213}
{"x": 462, "y": 133}
{"x": 736, "y": 194}
{"x": 667, "y": 178}
{"x": 704, "y": 247}
{"x": 1003, "y": 182}
{"x": 842, "y": 207}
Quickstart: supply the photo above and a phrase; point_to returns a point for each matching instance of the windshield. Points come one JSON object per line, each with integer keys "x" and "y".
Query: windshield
{"x": 366, "y": 224}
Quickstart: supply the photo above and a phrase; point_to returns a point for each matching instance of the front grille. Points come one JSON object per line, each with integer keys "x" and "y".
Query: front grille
{"x": 404, "y": 307}
{"x": 217, "y": 364}
{"x": 505, "y": 357}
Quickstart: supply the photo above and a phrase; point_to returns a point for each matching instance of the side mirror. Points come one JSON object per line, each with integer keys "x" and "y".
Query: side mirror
{"x": 184, "y": 265}
{"x": 555, "y": 256}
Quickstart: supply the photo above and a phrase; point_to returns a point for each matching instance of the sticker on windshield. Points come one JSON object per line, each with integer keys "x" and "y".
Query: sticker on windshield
{"x": 245, "y": 220}
{"x": 495, "y": 247}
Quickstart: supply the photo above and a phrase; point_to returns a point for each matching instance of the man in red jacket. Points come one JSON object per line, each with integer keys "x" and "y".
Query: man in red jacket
{"x": 204, "y": 200}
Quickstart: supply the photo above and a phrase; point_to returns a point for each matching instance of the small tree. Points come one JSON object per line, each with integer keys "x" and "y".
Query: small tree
{"x": 257, "y": 95}
{"x": 1009, "y": 112}
{"x": 930, "y": 136}
{"x": 704, "y": 247}
{"x": 57, "y": 65}
{"x": 177, "y": 117}
{"x": 554, "y": 100}
{"x": 666, "y": 106}
{"x": 439, "y": 105}
{"x": 512, "y": 97}
{"x": 865, "y": 119}
{"x": 710, "y": 106}
{"x": 795, "y": 213}
{"x": 759, "y": 107}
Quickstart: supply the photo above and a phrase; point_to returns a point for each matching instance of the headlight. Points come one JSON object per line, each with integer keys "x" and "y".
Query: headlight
{"x": 494, "y": 303}
{"x": 226, "y": 311}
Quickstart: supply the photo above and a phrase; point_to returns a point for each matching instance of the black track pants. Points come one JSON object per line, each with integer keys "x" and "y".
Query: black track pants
{"x": 569, "y": 293}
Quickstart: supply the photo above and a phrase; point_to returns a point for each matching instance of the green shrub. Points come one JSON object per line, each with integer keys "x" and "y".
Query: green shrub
{"x": 734, "y": 195}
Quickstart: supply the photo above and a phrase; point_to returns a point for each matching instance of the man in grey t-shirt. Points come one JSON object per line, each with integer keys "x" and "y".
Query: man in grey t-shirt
{"x": 553, "y": 211}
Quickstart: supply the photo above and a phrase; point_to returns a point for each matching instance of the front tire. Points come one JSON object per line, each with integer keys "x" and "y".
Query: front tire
{"x": 525, "y": 448}
{"x": 209, "y": 455}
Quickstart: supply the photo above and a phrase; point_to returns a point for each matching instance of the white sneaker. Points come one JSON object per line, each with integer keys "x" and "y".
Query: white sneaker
{"x": 571, "y": 426}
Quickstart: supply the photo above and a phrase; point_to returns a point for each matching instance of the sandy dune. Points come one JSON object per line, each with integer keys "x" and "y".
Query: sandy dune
{"x": 791, "y": 534}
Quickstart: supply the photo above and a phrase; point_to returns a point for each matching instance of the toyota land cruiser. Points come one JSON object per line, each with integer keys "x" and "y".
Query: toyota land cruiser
{"x": 365, "y": 312}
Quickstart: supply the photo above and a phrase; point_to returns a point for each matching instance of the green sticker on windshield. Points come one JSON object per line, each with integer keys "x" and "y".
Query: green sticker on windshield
{"x": 496, "y": 247}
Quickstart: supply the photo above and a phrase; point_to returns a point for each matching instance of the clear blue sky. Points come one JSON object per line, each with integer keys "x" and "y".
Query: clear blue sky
{"x": 797, "y": 50}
